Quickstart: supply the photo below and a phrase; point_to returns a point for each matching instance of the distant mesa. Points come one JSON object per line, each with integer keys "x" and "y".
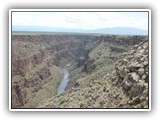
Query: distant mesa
{"x": 114, "y": 30}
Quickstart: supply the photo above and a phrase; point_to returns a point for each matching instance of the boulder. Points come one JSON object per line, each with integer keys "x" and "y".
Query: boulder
{"x": 135, "y": 76}
{"x": 141, "y": 71}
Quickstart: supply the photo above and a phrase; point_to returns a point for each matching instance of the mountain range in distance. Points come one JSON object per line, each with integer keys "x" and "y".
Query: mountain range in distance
{"x": 114, "y": 30}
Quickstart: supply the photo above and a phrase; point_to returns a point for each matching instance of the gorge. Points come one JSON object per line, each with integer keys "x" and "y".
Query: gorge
{"x": 51, "y": 70}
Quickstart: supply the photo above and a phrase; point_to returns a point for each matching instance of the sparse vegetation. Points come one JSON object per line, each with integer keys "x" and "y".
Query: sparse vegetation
{"x": 62, "y": 100}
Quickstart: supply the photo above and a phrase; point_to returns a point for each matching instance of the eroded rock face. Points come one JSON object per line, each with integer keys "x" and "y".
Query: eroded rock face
{"x": 19, "y": 96}
{"x": 37, "y": 78}
{"x": 34, "y": 81}
{"x": 134, "y": 75}
{"x": 89, "y": 66}
{"x": 21, "y": 66}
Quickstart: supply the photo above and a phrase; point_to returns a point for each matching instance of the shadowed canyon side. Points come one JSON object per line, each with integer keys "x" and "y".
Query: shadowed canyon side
{"x": 39, "y": 62}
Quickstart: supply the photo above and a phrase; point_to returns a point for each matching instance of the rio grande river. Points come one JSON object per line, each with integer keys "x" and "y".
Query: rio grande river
{"x": 64, "y": 81}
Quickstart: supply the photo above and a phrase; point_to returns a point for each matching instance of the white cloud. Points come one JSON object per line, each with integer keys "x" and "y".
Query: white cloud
{"x": 83, "y": 20}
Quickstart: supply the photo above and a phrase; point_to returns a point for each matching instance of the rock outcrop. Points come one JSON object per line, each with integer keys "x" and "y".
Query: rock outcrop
{"x": 19, "y": 96}
{"x": 21, "y": 66}
{"x": 132, "y": 73}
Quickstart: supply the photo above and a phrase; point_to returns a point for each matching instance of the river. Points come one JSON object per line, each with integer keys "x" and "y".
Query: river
{"x": 64, "y": 81}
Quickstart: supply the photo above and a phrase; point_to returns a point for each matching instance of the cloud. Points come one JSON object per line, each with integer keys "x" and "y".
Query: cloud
{"x": 83, "y": 20}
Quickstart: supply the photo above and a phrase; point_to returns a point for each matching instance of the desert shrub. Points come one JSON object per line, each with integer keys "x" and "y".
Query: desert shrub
{"x": 62, "y": 100}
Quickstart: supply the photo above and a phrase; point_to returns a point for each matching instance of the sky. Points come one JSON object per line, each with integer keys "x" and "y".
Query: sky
{"x": 81, "y": 20}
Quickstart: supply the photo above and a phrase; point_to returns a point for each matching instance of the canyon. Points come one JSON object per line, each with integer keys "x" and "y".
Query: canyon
{"x": 103, "y": 71}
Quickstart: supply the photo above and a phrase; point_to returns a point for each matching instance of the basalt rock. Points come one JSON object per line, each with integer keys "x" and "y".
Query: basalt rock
{"x": 19, "y": 96}
{"x": 135, "y": 76}
{"x": 89, "y": 66}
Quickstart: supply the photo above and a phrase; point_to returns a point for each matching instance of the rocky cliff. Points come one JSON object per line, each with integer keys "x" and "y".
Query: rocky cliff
{"x": 132, "y": 73}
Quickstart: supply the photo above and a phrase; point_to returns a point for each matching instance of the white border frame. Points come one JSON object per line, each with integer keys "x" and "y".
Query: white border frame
{"x": 74, "y": 10}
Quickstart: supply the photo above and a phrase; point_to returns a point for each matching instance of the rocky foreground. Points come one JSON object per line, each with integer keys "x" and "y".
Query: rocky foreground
{"x": 123, "y": 86}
